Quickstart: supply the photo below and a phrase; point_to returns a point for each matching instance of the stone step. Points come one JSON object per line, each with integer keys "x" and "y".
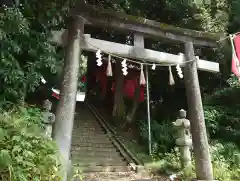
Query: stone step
{"x": 84, "y": 119}
{"x": 88, "y": 133}
{"x": 96, "y": 153}
{"x": 95, "y": 137}
{"x": 104, "y": 169}
{"x": 90, "y": 149}
{"x": 88, "y": 130}
{"x": 92, "y": 127}
{"x": 87, "y": 147}
{"x": 82, "y": 111}
{"x": 105, "y": 159}
{"x": 81, "y": 141}
{"x": 113, "y": 176}
{"x": 91, "y": 136}
{"x": 92, "y": 163}
{"x": 92, "y": 146}
{"x": 84, "y": 128}
{"x": 83, "y": 114}
{"x": 91, "y": 140}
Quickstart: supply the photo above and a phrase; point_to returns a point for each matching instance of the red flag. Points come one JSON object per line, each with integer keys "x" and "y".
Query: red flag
{"x": 55, "y": 95}
{"x": 83, "y": 79}
{"x": 235, "y": 40}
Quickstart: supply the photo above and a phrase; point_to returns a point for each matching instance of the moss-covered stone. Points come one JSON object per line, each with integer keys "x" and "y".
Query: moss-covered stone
{"x": 109, "y": 14}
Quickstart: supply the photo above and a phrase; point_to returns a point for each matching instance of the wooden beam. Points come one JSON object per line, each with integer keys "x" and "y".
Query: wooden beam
{"x": 92, "y": 44}
{"x": 97, "y": 16}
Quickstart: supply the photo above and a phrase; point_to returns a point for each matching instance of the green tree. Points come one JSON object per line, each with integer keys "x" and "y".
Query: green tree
{"x": 24, "y": 53}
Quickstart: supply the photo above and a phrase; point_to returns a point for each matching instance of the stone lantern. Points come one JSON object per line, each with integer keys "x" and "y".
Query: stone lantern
{"x": 184, "y": 141}
{"x": 48, "y": 117}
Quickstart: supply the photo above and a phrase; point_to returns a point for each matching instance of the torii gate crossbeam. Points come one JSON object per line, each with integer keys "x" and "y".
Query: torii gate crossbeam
{"x": 127, "y": 51}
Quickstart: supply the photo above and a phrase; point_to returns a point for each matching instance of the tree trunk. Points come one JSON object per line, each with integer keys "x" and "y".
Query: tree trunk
{"x": 119, "y": 107}
{"x": 135, "y": 104}
{"x": 199, "y": 135}
{"x": 66, "y": 106}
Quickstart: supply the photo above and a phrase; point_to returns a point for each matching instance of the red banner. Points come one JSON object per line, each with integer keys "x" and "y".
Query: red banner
{"x": 235, "y": 40}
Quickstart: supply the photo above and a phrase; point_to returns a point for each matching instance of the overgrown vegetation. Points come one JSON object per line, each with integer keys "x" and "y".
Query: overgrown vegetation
{"x": 25, "y": 53}
{"x": 26, "y": 154}
{"x": 222, "y": 119}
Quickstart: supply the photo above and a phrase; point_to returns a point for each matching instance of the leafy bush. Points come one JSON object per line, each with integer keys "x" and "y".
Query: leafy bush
{"x": 223, "y": 124}
{"x": 224, "y": 166}
{"x": 162, "y": 135}
{"x": 25, "y": 153}
{"x": 222, "y": 113}
{"x": 24, "y": 54}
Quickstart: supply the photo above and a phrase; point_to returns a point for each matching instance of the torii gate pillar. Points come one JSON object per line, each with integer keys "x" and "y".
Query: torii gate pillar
{"x": 66, "y": 106}
{"x": 202, "y": 156}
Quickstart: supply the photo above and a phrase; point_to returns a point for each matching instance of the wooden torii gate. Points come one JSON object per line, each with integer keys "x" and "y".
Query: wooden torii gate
{"x": 140, "y": 27}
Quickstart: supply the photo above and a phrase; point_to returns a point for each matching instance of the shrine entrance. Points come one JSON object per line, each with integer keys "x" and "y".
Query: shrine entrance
{"x": 106, "y": 52}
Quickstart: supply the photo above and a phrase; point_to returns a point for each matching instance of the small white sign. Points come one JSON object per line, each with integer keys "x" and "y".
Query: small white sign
{"x": 80, "y": 95}
{"x": 43, "y": 80}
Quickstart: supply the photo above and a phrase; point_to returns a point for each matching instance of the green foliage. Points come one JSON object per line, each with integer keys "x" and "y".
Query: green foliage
{"x": 161, "y": 134}
{"x": 222, "y": 113}
{"x": 222, "y": 119}
{"x": 82, "y": 72}
{"x": 225, "y": 168}
{"x": 25, "y": 153}
{"x": 213, "y": 17}
{"x": 24, "y": 54}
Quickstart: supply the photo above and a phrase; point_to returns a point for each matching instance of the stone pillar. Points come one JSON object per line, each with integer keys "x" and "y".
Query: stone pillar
{"x": 66, "y": 106}
{"x": 184, "y": 140}
{"x": 201, "y": 150}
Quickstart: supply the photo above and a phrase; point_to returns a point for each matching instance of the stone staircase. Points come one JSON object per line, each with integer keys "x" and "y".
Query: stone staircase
{"x": 92, "y": 150}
